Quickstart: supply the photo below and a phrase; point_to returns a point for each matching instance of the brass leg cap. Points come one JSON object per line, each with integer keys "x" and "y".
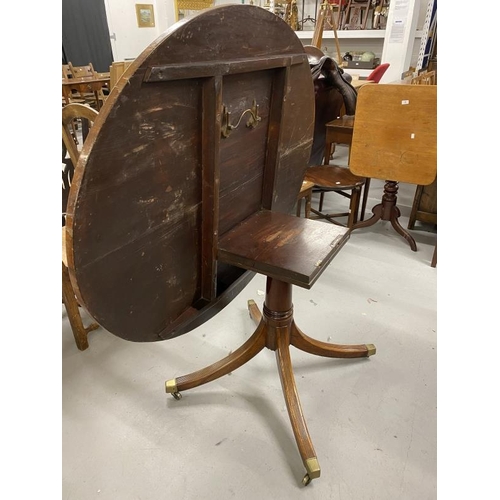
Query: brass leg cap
{"x": 171, "y": 386}
{"x": 371, "y": 350}
{"x": 313, "y": 468}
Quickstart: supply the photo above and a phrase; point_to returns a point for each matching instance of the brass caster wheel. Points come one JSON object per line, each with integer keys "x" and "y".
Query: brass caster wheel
{"x": 307, "y": 480}
{"x": 177, "y": 395}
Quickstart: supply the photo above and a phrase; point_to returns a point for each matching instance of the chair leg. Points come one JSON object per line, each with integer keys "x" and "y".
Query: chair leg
{"x": 308, "y": 205}
{"x": 321, "y": 198}
{"x": 75, "y": 320}
{"x": 434, "y": 257}
{"x": 354, "y": 207}
{"x": 416, "y": 202}
{"x": 366, "y": 190}
{"x": 299, "y": 204}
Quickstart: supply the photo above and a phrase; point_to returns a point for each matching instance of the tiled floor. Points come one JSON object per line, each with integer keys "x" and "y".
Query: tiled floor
{"x": 372, "y": 421}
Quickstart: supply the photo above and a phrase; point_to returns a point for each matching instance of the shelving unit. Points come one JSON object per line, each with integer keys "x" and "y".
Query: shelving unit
{"x": 356, "y": 34}
{"x": 350, "y": 40}
{"x": 398, "y": 44}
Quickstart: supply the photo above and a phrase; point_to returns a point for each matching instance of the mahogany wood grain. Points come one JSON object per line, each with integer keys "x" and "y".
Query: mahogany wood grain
{"x": 291, "y": 395}
{"x": 283, "y": 246}
{"x": 212, "y": 100}
{"x": 333, "y": 177}
{"x": 238, "y": 358}
{"x": 166, "y": 213}
{"x": 389, "y": 211}
{"x": 276, "y": 330}
{"x": 144, "y": 217}
{"x": 307, "y": 344}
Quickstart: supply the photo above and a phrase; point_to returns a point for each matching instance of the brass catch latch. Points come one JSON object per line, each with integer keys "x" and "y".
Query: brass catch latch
{"x": 252, "y": 122}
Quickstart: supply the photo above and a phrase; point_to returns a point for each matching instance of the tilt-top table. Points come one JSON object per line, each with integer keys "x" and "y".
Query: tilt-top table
{"x": 184, "y": 188}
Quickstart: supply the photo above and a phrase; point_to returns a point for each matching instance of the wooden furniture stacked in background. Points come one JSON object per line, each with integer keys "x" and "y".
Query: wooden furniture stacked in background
{"x": 84, "y": 83}
{"x": 185, "y": 185}
{"x": 395, "y": 139}
{"x": 71, "y": 112}
{"x": 356, "y": 14}
{"x": 69, "y": 95}
{"x": 424, "y": 78}
{"x": 424, "y": 206}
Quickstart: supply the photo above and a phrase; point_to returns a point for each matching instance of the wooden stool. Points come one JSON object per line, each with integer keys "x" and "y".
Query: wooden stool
{"x": 340, "y": 180}
{"x": 305, "y": 193}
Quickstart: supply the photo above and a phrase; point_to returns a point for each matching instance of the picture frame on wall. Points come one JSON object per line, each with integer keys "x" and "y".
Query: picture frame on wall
{"x": 145, "y": 15}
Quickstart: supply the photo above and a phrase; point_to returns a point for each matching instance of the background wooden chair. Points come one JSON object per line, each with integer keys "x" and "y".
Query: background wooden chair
{"x": 70, "y": 97}
{"x": 87, "y": 71}
{"x": 340, "y": 180}
{"x": 86, "y": 116}
{"x": 424, "y": 78}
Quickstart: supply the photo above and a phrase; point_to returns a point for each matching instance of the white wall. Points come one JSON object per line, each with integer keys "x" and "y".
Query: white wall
{"x": 132, "y": 40}
{"x": 122, "y": 21}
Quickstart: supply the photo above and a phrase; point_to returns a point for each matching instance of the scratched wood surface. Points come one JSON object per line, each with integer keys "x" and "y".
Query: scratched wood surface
{"x": 282, "y": 246}
{"x": 156, "y": 185}
{"x": 395, "y": 133}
